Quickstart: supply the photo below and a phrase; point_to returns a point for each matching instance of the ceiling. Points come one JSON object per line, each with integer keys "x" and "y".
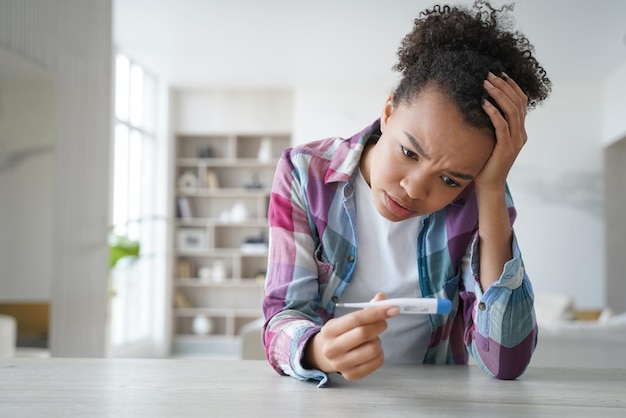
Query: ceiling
{"x": 281, "y": 43}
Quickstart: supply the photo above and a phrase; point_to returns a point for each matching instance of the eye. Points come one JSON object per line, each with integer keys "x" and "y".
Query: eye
{"x": 449, "y": 182}
{"x": 409, "y": 153}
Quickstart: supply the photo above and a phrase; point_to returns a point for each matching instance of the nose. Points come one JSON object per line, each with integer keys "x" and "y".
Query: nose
{"x": 415, "y": 186}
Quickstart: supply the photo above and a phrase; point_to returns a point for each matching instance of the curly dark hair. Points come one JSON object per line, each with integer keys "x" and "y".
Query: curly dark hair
{"x": 454, "y": 48}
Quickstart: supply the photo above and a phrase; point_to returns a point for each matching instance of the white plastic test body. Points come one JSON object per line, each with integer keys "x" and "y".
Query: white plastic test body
{"x": 407, "y": 305}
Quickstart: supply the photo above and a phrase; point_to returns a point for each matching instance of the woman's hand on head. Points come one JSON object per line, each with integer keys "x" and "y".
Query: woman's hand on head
{"x": 350, "y": 344}
{"x": 510, "y": 130}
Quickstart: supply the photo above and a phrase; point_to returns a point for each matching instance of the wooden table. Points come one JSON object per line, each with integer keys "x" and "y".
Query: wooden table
{"x": 209, "y": 388}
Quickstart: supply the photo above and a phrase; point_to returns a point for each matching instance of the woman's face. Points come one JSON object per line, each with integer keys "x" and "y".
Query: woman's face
{"x": 426, "y": 156}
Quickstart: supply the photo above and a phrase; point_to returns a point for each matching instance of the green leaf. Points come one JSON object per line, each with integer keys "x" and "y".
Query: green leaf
{"x": 120, "y": 247}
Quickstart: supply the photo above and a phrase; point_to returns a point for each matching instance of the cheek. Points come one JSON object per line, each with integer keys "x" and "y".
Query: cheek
{"x": 438, "y": 201}
{"x": 383, "y": 167}
{"x": 443, "y": 196}
{"x": 396, "y": 164}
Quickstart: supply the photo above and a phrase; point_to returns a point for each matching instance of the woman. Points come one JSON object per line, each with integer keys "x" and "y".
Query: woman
{"x": 415, "y": 205}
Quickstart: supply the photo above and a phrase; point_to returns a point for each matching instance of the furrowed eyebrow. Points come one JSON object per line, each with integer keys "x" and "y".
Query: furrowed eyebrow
{"x": 416, "y": 145}
{"x": 421, "y": 152}
{"x": 460, "y": 175}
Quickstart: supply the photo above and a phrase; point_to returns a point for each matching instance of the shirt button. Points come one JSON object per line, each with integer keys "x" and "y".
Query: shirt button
{"x": 351, "y": 258}
{"x": 335, "y": 299}
{"x": 482, "y": 306}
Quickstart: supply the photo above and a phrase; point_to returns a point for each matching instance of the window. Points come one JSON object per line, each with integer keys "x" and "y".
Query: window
{"x": 134, "y": 282}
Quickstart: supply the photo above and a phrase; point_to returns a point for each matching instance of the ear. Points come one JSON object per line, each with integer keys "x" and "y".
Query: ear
{"x": 387, "y": 111}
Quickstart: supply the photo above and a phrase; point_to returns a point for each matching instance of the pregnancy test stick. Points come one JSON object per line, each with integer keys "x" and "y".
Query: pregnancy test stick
{"x": 407, "y": 305}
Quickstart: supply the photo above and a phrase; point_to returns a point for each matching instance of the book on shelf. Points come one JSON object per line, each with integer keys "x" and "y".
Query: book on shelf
{"x": 184, "y": 207}
{"x": 181, "y": 300}
{"x": 185, "y": 269}
{"x": 255, "y": 245}
{"x": 253, "y": 248}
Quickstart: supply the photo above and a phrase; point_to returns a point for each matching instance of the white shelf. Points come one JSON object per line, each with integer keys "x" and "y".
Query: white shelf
{"x": 226, "y": 147}
{"x": 258, "y": 222}
{"x": 224, "y": 192}
{"x": 228, "y": 282}
{"x": 236, "y": 177}
{"x": 203, "y": 338}
{"x": 223, "y": 312}
{"x": 219, "y": 252}
{"x": 225, "y": 162}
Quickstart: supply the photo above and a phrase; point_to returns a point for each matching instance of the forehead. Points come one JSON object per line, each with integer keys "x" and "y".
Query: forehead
{"x": 441, "y": 131}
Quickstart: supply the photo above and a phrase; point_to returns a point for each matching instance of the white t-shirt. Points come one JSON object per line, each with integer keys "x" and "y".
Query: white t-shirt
{"x": 387, "y": 262}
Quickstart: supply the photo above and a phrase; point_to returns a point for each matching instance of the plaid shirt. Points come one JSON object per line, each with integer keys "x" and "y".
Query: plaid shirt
{"x": 313, "y": 253}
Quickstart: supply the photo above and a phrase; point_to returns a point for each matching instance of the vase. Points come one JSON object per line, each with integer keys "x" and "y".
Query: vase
{"x": 265, "y": 150}
{"x": 238, "y": 212}
{"x": 218, "y": 272}
{"x": 202, "y": 325}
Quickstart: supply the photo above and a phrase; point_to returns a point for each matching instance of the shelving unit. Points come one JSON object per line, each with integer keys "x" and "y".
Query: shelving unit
{"x": 220, "y": 236}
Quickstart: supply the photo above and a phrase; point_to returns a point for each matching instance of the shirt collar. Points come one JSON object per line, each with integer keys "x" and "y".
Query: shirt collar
{"x": 347, "y": 156}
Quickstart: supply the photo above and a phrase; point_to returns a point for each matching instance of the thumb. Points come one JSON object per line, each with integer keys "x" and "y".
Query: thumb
{"x": 378, "y": 296}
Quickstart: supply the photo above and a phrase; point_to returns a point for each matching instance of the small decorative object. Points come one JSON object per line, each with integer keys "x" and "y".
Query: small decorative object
{"x": 201, "y": 325}
{"x": 188, "y": 180}
{"x": 260, "y": 275}
{"x": 205, "y": 274}
{"x": 224, "y": 216}
{"x": 191, "y": 239}
{"x": 218, "y": 272}
{"x": 265, "y": 150}
{"x": 255, "y": 182}
{"x": 254, "y": 245}
{"x": 211, "y": 180}
{"x": 205, "y": 151}
{"x": 238, "y": 213}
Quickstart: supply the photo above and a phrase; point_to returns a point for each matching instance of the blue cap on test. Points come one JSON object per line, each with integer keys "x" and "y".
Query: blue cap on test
{"x": 444, "y": 306}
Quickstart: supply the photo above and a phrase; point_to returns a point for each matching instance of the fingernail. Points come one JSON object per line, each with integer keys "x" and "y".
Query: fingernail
{"x": 491, "y": 75}
{"x": 505, "y": 76}
{"x": 488, "y": 84}
{"x": 393, "y": 311}
{"x": 486, "y": 103}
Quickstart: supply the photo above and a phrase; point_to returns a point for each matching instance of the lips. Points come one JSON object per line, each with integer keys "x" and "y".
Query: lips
{"x": 397, "y": 209}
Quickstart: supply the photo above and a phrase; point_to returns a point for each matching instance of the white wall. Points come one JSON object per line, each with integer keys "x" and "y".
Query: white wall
{"x": 557, "y": 187}
{"x": 325, "y": 111}
{"x": 26, "y": 125}
{"x": 556, "y": 184}
{"x": 71, "y": 41}
{"x": 614, "y": 140}
{"x": 614, "y": 106}
{"x": 231, "y": 110}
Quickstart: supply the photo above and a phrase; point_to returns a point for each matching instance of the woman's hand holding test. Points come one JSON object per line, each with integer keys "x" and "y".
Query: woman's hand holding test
{"x": 350, "y": 344}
